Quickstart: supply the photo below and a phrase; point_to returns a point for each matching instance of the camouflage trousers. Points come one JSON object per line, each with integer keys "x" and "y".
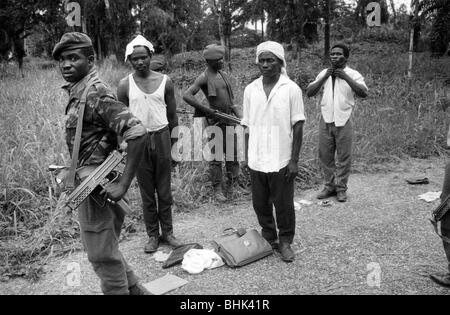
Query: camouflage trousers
{"x": 445, "y": 224}
{"x": 100, "y": 231}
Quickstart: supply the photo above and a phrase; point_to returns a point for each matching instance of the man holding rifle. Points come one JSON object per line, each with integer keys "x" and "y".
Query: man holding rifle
{"x": 216, "y": 86}
{"x": 102, "y": 121}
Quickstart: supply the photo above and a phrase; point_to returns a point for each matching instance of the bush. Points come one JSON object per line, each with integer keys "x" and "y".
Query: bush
{"x": 245, "y": 38}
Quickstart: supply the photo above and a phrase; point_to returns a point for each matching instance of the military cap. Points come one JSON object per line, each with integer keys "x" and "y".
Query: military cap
{"x": 214, "y": 52}
{"x": 72, "y": 40}
{"x": 157, "y": 63}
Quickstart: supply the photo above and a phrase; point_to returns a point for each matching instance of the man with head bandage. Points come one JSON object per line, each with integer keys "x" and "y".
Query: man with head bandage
{"x": 151, "y": 97}
{"x": 274, "y": 114}
{"x": 216, "y": 86}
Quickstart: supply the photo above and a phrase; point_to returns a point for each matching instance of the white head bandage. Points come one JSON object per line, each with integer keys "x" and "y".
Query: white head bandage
{"x": 274, "y": 48}
{"x": 138, "y": 41}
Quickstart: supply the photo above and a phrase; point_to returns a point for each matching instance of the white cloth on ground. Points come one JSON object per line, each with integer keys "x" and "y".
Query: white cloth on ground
{"x": 197, "y": 260}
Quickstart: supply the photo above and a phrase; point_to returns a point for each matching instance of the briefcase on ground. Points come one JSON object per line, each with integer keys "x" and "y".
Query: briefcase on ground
{"x": 241, "y": 247}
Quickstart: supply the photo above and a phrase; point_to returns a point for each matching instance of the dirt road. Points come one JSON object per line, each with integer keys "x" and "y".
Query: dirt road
{"x": 339, "y": 249}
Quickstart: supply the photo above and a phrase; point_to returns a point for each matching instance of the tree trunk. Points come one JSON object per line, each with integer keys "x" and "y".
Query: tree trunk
{"x": 114, "y": 46}
{"x": 263, "y": 19}
{"x": 326, "y": 56}
{"x": 83, "y": 17}
{"x": 394, "y": 12}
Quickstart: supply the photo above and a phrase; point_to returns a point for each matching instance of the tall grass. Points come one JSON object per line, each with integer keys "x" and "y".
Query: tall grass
{"x": 400, "y": 117}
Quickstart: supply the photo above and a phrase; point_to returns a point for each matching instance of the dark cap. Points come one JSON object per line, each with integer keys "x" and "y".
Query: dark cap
{"x": 73, "y": 40}
{"x": 157, "y": 63}
{"x": 214, "y": 52}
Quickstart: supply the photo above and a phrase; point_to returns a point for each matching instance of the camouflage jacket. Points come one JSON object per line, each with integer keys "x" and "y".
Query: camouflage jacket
{"x": 105, "y": 119}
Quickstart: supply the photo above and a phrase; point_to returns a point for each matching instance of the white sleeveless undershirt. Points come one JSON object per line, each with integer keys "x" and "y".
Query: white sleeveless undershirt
{"x": 151, "y": 109}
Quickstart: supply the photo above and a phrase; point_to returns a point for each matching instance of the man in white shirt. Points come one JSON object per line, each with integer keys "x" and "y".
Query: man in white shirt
{"x": 339, "y": 83}
{"x": 150, "y": 96}
{"x": 274, "y": 113}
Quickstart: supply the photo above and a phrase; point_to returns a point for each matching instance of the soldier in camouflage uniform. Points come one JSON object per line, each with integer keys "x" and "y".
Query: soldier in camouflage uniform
{"x": 104, "y": 120}
{"x": 444, "y": 279}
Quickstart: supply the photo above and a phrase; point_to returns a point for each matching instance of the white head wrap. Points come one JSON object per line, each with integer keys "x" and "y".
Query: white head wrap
{"x": 274, "y": 48}
{"x": 138, "y": 41}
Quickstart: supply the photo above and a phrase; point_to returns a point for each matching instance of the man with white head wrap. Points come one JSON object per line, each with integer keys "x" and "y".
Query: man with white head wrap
{"x": 274, "y": 114}
{"x": 150, "y": 96}
{"x": 276, "y": 49}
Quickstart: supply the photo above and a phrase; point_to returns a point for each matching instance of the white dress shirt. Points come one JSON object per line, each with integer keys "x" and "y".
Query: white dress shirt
{"x": 337, "y": 108}
{"x": 271, "y": 121}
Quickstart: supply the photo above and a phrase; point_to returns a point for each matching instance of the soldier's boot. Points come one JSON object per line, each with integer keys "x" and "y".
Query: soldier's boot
{"x": 443, "y": 279}
{"x": 219, "y": 194}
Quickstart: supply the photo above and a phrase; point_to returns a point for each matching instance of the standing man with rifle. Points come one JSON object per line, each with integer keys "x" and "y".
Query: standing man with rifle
{"x": 151, "y": 97}
{"x": 216, "y": 86}
{"x": 94, "y": 121}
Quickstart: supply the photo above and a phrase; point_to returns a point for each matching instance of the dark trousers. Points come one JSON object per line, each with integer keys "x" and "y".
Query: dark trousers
{"x": 154, "y": 176}
{"x": 445, "y": 223}
{"x": 100, "y": 231}
{"x": 269, "y": 189}
{"x": 231, "y": 160}
{"x": 335, "y": 154}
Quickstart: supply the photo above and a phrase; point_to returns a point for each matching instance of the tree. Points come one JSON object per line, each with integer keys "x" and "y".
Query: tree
{"x": 17, "y": 19}
{"x": 169, "y": 24}
{"x": 438, "y": 11}
{"x": 254, "y": 11}
{"x": 327, "y": 31}
{"x": 225, "y": 11}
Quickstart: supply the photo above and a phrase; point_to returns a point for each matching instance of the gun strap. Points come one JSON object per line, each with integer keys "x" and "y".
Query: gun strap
{"x": 70, "y": 181}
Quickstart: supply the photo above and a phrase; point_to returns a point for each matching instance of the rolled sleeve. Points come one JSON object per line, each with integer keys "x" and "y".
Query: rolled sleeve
{"x": 319, "y": 76}
{"x": 246, "y": 109}
{"x": 358, "y": 78}
{"x": 297, "y": 106}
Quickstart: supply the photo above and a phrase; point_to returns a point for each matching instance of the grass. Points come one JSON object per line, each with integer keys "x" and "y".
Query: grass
{"x": 400, "y": 118}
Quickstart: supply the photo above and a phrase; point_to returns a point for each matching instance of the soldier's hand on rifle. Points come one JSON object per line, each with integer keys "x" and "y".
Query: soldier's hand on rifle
{"x": 114, "y": 191}
{"x": 209, "y": 113}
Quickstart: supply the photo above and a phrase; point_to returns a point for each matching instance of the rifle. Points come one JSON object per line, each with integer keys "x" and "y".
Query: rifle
{"x": 99, "y": 178}
{"x": 220, "y": 115}
{"x": 438, "y": 214}
{"x": 224, "y": 116}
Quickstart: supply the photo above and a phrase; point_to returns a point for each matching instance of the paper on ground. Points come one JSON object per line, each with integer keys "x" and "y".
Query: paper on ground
{"x": 165, "y": 284}
{"x": 161, "y": 256}
{"x": 306, "y": 202}
{"x": 430, "y": 196}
